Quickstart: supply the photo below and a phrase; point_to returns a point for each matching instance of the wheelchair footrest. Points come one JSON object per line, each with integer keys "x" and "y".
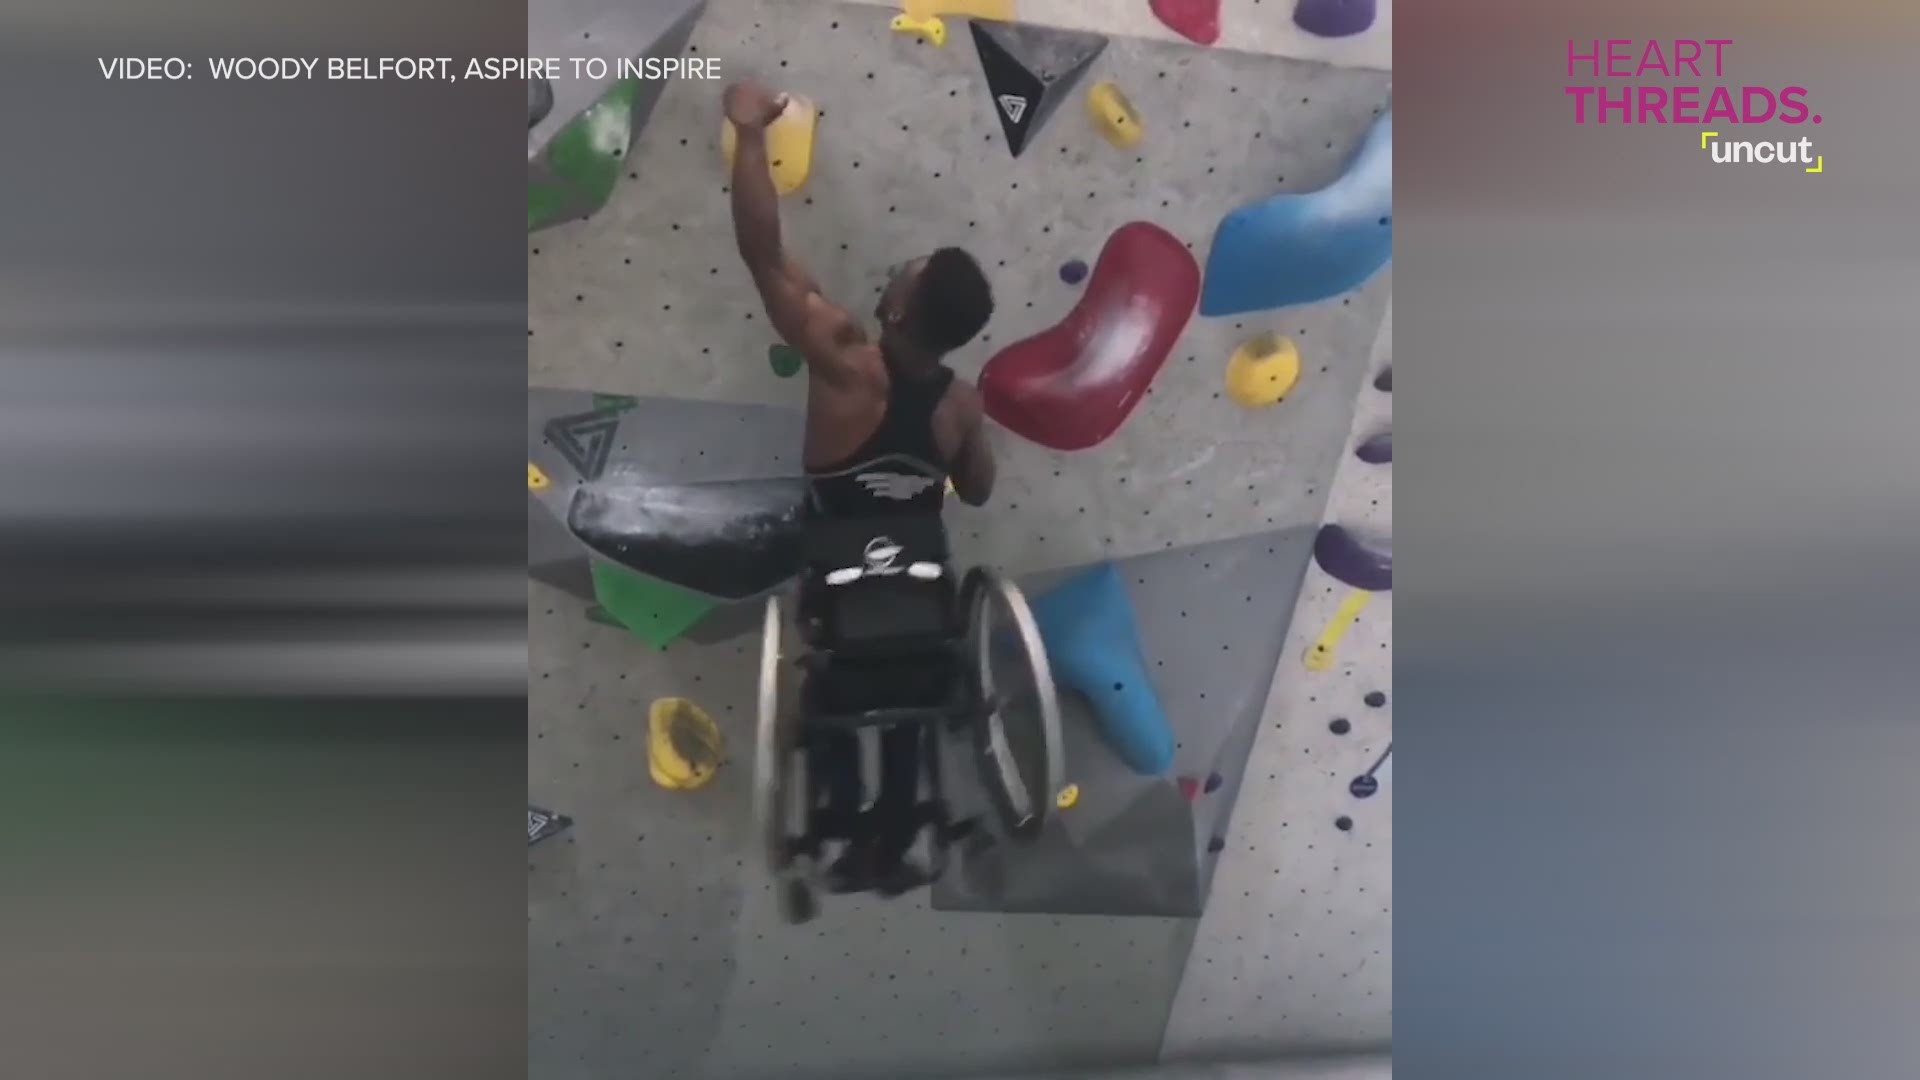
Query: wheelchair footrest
{"x": 849, "y": 875}
{"x": 854, "y": 870}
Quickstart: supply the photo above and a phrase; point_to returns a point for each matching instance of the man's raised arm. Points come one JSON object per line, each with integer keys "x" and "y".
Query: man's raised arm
{"x": 789, "y": 292}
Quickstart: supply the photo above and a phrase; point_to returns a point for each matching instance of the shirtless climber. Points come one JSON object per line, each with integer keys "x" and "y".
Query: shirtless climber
{"x": 867, "y": 399}
{"x": 887, "y": 425}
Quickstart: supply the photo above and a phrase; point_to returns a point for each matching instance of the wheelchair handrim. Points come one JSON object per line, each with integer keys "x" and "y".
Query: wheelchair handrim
{"x": 771, "y": 749}
{"x": 1028, "y": 807}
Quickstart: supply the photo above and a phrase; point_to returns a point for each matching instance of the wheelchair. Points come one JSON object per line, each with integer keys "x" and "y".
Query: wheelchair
{"x": 886, "y": 648}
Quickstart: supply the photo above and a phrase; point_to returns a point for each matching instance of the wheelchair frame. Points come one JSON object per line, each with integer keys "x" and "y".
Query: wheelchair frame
{"x": 978, "y": 707}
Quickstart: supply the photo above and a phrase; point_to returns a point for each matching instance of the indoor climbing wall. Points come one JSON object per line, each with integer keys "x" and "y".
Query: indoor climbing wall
{"x": 654, "y": 943}
{"x": 651, "y": 298}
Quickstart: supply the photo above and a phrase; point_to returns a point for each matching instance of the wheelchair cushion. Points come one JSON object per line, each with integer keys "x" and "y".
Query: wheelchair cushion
{"x": 1088, "y": 627}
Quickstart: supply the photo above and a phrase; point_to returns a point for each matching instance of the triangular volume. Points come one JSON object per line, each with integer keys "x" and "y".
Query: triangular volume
{"x": 584, "y": 439}
{"x": 1029, "y": 70}
{"x": 544, "y": 823}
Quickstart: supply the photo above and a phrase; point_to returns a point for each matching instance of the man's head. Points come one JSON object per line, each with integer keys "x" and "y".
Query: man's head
{"x": 938, "y": 302}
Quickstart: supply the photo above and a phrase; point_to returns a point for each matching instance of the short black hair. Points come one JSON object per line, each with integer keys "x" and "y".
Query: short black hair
{"x": 951, "y": 301}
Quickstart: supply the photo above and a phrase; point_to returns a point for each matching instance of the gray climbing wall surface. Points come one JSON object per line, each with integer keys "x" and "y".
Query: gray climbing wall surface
{"x": 654, "y": 945}
{"x": 1305, "y": 958}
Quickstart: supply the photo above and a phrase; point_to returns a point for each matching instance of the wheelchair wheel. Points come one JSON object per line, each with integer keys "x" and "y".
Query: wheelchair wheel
{"x": 773, "y": 754}
{"x": 1017, "y": 734}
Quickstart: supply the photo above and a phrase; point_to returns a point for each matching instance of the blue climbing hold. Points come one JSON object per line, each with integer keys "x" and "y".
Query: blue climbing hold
{"x": 1094, "y": 648}
{"x": 1296, "y": 249}
{"x": 1073, "y": 271}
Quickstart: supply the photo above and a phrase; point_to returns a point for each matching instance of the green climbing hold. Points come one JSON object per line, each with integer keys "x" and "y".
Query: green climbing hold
{"x": 613, "y": 402}
{"x": 584, "y": 159}
{"x": 786, "y": 360}
{"x": 546, "y": 203}
{"x": 655, "y": 611}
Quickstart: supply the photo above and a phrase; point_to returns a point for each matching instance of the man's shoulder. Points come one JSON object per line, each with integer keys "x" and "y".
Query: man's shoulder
{"x": 857, "y": 363}
{"x": 965, "y": 396}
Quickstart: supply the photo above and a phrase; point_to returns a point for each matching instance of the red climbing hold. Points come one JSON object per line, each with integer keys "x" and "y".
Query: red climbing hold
{"x": 1196, "y": 20}
{"x": 1071, "y": 386}
{"x": 1189, "y": 787}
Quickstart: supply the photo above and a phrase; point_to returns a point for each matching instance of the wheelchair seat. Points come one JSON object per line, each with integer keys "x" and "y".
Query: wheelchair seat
{"x": 889, "y": 648}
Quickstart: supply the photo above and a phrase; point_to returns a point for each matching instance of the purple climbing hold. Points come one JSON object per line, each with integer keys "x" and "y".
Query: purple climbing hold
{"x": 1376, "y": 450}
{"x": 1333, "y": 18}
{"x": 1214, "y": 780}
{"x": 1215, "y": 846}
{"x": 1383, "y": 382}
{"x": 1375, "y": 699}
{"x": 1073, "y": 271}
{"x": 1355, "y": 561}
{"x": 1343, "y": 823}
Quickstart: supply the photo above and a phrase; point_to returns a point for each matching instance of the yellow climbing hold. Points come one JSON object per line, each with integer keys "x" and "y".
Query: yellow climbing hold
{"x": 929, "y": 27}
{"x": 789, "y": 144}
{"x": 1067, "y": 797}
{"x": 1263, "y": 370}
{"x": 536, "y": 480}
{"x": 972, "y": 9}
{"x": 684, "y": 747}
{"x": 1320, "y": 656}
{"x": 1114, "y": 115}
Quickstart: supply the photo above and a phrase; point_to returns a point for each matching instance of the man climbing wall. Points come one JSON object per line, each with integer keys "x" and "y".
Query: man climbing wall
{"x": 887, "y": 424}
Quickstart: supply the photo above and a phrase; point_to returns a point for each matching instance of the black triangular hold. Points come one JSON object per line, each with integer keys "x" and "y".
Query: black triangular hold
{"x": 584, "y": 439}
{"x": 544, "y": 823}
{"x": 1030, "y": 70}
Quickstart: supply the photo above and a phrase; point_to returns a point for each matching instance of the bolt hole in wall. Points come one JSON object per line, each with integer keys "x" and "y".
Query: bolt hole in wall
{"x": 614, "y": 308}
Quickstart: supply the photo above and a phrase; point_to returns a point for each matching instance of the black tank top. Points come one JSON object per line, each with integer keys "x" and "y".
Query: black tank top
{"x": 899, "y": 469}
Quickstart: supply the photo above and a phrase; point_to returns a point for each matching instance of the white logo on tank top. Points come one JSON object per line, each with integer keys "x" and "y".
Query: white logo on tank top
{"x": 880, "y": 553}
{"x": 900, "y": 486}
